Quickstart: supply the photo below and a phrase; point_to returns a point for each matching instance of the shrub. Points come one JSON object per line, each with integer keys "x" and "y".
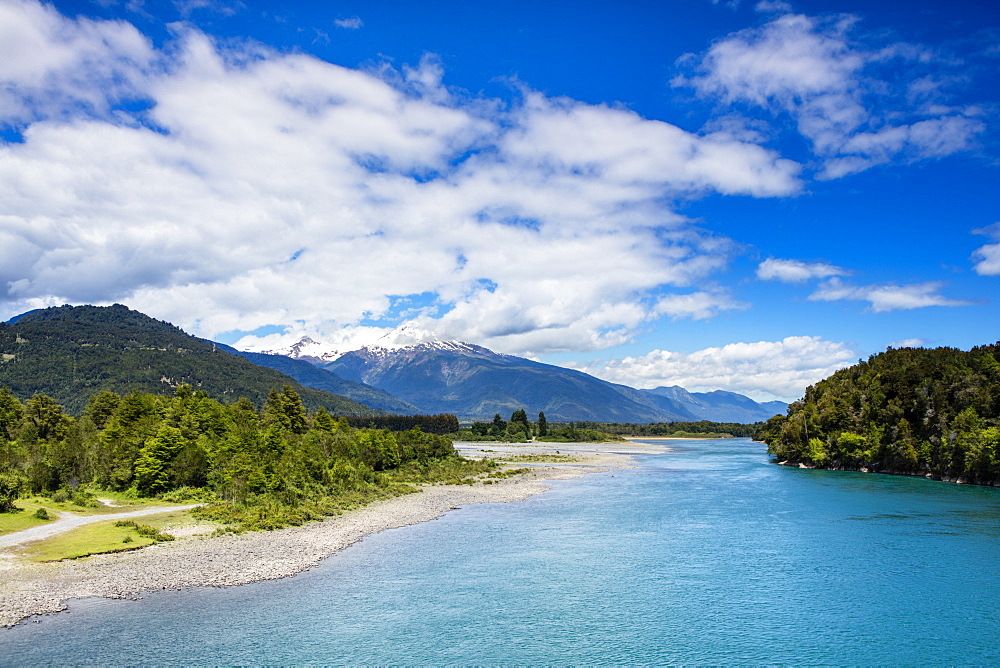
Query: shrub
{"x": 145, "y": 530}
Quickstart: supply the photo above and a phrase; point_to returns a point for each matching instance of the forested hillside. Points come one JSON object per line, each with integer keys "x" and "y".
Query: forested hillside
{"x": 71, "y": 353}
{"x": 913, "y": 411}
{"x": 258, "y": 468}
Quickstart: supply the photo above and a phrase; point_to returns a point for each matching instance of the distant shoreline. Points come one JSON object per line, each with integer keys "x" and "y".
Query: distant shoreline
{"x": 32, "y": 589}
{"x": 675, "y": 438}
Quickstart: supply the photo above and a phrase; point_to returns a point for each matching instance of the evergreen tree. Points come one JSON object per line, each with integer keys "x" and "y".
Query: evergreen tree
{"x": 499, "y": 426}
{"x": 11, "y": 412}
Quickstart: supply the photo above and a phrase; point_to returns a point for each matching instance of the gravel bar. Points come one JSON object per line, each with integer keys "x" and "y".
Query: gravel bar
{"x": 31, "y": 589}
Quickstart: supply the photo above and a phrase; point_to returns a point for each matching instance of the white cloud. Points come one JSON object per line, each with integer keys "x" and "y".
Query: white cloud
{"x": 51, "y": 66}
{"x": 260, "y": 188}
{"x": 988, "y": 254}
{"x": 909, "y": 343}
{"x": 794, "y": 271}
{"x": 763, "y": 370}
{"x": 697, "y": 305}
{"x": 350, "y": 23}
{"x": 824, "y": 72}
{"x": 887, "y": 297}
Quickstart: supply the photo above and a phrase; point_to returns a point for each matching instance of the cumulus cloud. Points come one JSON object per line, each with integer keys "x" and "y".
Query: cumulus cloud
{"x": 826, "y": 75}
{"x": 763, "y": 370}
{"x": 988, "y": 254}
{"x": 795, "y": 271}
{"x": 52, "y": 67}
{"x": 252, "y": 188}
{"x": 887, "y": 297}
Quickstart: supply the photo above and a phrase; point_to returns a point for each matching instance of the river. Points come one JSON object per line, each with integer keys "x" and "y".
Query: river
{"x": 706, "y": 554}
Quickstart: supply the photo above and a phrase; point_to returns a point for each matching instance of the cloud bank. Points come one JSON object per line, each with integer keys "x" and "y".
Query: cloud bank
{"x": 763, "y": 370}
{"x": 231, "y": 187}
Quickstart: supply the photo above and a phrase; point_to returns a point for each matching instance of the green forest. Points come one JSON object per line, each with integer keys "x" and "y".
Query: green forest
{"x": 697, "y": 429}
{"x": 912, "y": 411}
{"x": 257, "y": 468}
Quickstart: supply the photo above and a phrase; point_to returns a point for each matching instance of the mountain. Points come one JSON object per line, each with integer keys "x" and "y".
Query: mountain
{"x": 310, "y": 375}
{"x": 73, "y": 352}
{"x": 717, "y": 406}
{"x": 474, "y": 383}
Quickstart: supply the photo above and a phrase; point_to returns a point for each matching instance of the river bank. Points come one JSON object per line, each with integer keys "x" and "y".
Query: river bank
{"x": 31, "y": 589}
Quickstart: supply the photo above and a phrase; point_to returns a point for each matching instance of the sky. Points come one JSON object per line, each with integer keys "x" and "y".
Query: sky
{"x": 725, "y": 195}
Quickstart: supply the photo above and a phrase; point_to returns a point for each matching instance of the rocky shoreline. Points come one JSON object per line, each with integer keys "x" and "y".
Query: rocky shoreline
{"x": 32, "y": 589}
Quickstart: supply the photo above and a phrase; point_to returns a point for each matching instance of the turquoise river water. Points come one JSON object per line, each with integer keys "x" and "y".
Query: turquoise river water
{"x": 708, "y": 554}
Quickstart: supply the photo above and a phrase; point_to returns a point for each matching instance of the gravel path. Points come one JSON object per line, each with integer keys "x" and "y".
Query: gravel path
{"x": 30, "y": 589}
{"x": 68, "y": 521}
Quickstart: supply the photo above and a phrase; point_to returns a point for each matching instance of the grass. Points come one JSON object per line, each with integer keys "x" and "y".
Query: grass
{"x": 21, "y": 519}
{"x": 98, "y": 538}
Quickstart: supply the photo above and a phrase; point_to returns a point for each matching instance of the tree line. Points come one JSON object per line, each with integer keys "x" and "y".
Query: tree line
{"x": 445, "y": 423}
{"x": 258, "y": 467}
{"x": 915, "y": 411}
{"x": 519, "y": 429}
{"x": 700, "y": 428}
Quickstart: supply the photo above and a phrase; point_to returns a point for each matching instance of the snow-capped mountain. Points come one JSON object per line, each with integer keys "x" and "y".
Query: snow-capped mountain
{"x": 474, "y": 383}
{"x": 308, "y": 350}
{"x": 404, "y": 338}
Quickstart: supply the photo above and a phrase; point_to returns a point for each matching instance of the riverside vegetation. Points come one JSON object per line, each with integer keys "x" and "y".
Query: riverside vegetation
{"x": 254, "y": 469}
{"x": 912, "y": 411}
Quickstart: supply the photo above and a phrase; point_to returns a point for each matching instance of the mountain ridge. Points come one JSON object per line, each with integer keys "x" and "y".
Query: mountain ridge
{"x": 72, "y": 352}
{"x": 474, "y": 383}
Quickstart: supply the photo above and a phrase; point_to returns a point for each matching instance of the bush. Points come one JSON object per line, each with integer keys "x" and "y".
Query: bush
{"x": 145, "y": 530}
{"x": 84, "y": 499}
{"x": 41, "y": 514}
{"x": 11, "y": 485}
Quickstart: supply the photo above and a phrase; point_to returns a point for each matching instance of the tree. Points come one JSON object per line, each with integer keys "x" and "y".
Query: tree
{"x": 11, "y": 412}
{"x": 151, "y": 474}
{"x": 11, "y": 484}
{"x": 285, "y": 410}
{"x": 101, "y": 407}
{"x": 543, "y": 426}
{"x": 47, "y": 417}
{"x": 519, "y": 424}
{"x": 499, "y": 426}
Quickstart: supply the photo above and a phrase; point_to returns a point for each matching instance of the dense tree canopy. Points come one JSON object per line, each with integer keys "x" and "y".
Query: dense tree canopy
{"x": 915, "y": 411}
{"x": 277, "y": 458}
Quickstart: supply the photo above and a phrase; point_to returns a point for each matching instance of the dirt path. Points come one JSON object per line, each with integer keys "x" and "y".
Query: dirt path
{"x": 68, "y": 521}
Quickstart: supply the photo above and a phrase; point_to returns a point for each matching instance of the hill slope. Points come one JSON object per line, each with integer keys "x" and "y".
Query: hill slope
{"x": 70, "y": 353}
{"x": 322, "y": 379}
{"x": 914, "y": 411}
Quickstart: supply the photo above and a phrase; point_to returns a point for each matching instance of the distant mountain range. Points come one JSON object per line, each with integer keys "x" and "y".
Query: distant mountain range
{"x": 70, "y": 353}
{"x": 475, "y": 383}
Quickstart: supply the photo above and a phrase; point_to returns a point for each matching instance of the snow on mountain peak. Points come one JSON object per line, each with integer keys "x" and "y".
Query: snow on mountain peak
{"x": 309, "y": 349}
{"x": 403, "y": 339}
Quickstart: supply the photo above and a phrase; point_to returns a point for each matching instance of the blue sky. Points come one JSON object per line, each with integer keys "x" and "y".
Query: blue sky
{"x": 720, "y": 195}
